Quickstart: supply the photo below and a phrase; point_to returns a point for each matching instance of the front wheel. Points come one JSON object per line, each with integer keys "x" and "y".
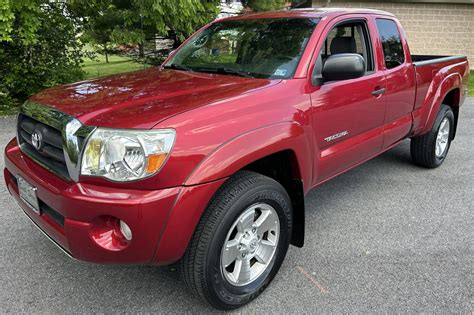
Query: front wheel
{"x": 240, "y": 242}
{"x": 430, "y": 150}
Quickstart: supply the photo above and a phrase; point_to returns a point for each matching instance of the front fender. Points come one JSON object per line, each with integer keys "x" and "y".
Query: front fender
{"x": 244, "y": 149}
{"x": 211, "y": 173}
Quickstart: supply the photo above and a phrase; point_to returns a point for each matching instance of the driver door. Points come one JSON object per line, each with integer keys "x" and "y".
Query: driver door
{"x": 347, "y": 115}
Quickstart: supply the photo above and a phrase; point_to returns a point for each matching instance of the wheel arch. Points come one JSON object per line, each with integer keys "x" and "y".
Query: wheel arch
{"x": 240, "y": 153}
{"x": 283, "y": 152}
{"x": 283, "y": 167}
{"x": 452, "y": 99}
{"x": 448, "y": 91}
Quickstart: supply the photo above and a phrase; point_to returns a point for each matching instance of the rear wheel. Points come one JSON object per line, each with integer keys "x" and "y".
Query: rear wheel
{"x": 240, "y": 242}
{"x": 430, "y": 150}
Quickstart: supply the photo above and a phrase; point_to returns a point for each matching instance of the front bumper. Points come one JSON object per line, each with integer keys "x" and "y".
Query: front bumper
{"x": 75, "y": 216}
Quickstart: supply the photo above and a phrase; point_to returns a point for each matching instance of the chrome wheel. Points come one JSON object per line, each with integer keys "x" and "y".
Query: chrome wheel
{"x": 442, "y": 139}
{"x": 250, "y": 244}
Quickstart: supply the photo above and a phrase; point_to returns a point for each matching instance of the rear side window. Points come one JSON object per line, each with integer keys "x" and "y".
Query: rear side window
{"x": 391, "y": 43}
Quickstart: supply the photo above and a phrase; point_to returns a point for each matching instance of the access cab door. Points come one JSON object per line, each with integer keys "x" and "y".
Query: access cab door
{"x": 400, "y": 74}
{"x": 348, "y": 115}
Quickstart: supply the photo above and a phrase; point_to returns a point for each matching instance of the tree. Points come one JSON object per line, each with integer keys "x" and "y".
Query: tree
{"x": 99, "y": 19}
{"x": 38, "y": 48}
{"x": 265, "y": 5}
{"x": 270, "y": 5}
{"x": 132, "y": 21}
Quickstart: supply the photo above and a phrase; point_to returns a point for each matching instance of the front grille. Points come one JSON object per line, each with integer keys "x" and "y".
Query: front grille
{"x": 52, "y": 139}
{"x": 50, "y": 154}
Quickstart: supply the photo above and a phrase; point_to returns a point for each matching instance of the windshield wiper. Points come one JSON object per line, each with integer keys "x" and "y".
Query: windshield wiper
{"x": 224, "y": 70}
{"x": 244, "y": 74}
{"x": 178, "y": 67}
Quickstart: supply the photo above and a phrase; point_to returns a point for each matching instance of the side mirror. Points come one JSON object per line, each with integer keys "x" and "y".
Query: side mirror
{"x": 343, "y": 67}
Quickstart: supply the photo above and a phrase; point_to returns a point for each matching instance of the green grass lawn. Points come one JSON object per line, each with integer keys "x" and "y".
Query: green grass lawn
{"x": 470, "y": 85}
{"x": 117, "y": 64}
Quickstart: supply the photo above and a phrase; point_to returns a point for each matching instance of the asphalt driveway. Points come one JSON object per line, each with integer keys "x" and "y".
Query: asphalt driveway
{"x": 385, "y": 237}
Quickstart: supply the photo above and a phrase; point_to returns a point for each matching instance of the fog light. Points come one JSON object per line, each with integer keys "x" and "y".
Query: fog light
{"x": 126, "y": 231}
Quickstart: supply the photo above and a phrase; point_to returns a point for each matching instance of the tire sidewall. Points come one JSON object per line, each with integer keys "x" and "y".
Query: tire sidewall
{"x": 445, "y": 112}
{"x": 221, "y": 289}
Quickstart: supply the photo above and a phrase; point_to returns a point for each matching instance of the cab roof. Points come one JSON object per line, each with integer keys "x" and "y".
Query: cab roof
{"x": 307, "y": 13}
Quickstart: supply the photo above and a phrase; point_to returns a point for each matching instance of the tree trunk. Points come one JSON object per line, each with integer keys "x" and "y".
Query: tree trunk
{"x": 177, "y": 41}
{"x": 106, "y": 53}
{"x": 141, "y": 51}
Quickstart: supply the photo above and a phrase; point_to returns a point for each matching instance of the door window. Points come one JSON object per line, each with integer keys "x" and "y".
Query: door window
{"x": 391, "y": 43}
{"x": 346, "y": 37}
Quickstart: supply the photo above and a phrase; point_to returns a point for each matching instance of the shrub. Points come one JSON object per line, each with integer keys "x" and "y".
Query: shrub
{"x": 39, "y": 48}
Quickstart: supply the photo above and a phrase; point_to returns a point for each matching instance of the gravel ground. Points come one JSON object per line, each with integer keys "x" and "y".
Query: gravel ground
{"x": 385, "y": 237}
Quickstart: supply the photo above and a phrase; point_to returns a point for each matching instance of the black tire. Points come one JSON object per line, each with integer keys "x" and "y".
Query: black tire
{"x": 423, "y": 148}
{"x": 200, "y": 267}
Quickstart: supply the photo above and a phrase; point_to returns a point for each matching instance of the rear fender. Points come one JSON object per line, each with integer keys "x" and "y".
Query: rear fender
{"x": 434, "y": 99}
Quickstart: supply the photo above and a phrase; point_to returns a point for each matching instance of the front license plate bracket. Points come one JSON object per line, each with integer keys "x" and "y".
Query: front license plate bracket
{"x": 28, "y": 194}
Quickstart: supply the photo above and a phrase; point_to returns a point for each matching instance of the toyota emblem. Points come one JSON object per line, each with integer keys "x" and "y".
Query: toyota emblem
{"x": 37, "y": 140}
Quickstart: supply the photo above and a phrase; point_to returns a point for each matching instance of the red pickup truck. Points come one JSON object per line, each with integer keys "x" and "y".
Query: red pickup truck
{"x": 206, "y": 160}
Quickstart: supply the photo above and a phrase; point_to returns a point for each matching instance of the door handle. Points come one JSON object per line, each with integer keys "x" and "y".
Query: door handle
{"x": 378, "y": 92}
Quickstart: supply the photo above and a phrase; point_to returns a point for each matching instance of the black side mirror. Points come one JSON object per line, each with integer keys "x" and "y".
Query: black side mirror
{"x": 343, "y": 67}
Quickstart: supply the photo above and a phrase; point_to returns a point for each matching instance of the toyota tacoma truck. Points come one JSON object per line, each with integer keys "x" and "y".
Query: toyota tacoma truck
{"x": 205, "y": 160}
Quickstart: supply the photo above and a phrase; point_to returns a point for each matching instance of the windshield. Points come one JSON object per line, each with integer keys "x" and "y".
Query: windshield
{"x": 264, "y": 48}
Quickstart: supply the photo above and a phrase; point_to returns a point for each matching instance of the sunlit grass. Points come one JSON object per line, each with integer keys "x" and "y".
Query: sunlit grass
{"x": 117, "y": 64}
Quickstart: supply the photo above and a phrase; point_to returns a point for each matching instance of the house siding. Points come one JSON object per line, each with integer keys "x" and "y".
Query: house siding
{"x": 431, "y": 28}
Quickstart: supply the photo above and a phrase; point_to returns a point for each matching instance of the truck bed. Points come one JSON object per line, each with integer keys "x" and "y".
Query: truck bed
{"x": 431, "y": 73}
{"x": 422, "y": 60}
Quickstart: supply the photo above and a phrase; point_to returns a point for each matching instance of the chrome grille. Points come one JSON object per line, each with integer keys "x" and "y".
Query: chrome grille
{"x": 53, "y": 144}
{"x": 52, "y": 139}
{"x": 50, "y": 154}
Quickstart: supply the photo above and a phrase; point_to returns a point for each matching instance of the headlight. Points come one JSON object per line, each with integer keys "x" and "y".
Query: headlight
{"x": 126, "y": 155}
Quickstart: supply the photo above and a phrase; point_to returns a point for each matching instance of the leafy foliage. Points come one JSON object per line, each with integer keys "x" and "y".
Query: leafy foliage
{"x": 271, "y": 5}
{"x": 41, "y": 41}
{"x": 265, "y": 5}
{"x": 38, "y": 48}
{"x": 23, "y": 15}
{"x": 131, "y": 22}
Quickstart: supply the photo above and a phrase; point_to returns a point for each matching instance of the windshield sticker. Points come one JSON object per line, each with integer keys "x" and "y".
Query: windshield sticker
{"x": 280, "y": 72}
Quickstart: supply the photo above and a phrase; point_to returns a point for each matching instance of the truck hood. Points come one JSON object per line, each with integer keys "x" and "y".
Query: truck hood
{"x": 144, "y": 98}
